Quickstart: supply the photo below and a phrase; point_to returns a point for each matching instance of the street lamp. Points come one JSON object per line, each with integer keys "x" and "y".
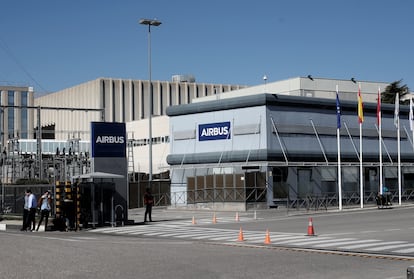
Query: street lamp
{"x": 150, "y": 22}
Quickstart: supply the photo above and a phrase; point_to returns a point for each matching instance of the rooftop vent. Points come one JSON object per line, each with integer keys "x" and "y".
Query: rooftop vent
{"x": 183, "y": 78}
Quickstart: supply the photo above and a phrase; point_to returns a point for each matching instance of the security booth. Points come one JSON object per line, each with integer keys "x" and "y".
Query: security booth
{"x": 109, "y": 165}
{"x": 98, "y": 200}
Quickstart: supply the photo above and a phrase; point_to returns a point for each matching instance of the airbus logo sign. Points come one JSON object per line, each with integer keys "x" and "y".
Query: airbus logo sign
{"x": 214, "y": 131}
{"x": 108, "y": 139}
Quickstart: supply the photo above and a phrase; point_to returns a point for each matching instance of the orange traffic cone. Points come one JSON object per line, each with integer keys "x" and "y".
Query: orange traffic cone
{"x": 237, "y": 217}
{"x": 214, "y": 218}
{"x": 311, "y": 231}
{"x": 267, "y": 237}
{"x": 194, "y": 221}
{"x": 241, "y": 237}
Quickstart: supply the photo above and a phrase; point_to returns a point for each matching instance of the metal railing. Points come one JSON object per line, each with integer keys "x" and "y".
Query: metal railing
{"x": 14, "y": 198}
{"x": 223, "y": 195}
{"x": 349, "y": 199}
{"x": 323, "y": 201}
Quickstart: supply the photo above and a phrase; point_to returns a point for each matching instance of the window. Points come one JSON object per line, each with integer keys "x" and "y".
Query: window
{"x": 10, "y": 117}
{"x": 24, "y": 126}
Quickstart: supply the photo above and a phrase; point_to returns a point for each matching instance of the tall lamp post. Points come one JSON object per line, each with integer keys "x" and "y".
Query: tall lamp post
{"x": 150, "y": 22}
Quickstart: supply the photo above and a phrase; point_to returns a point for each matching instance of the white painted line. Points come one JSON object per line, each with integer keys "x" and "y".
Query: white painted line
{"x": 388, "y": 247}
{"x": 338, "y": 234}
{"x": 84, "y": 238}
{"x": 293, "y": 241}
{"x": 120, "y": 231}
{"x": 392, "y": 230}
{"x": 366, "y": 245}
{"x": 199, "y": 234}
{"x": 255, "y": 238}
{"x": 213, "y": 236}
{"x": 318, "y": 241}
{"x": 284, "y": 237}
{"x": 409, "y": 250}
{"x": 339, "y": 243}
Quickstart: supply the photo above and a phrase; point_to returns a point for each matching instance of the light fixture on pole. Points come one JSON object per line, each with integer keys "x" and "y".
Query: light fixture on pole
{"x": 265, "y": 82}
{"x": 149, "y": 22}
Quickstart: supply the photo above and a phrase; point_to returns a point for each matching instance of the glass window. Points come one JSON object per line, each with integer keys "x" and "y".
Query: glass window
{"x": 350, "y": 174}
{"x": 10, "y": 117}
{"x": 328, "y": 174}
{"x": 24, "y": 126}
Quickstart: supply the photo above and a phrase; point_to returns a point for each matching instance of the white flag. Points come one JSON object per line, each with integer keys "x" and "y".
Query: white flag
{"x": 397, "y": 110}
{"x": 410, "y": 115}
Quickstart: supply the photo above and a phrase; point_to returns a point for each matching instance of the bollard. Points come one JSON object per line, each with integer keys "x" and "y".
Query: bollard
{"x": 410, "y": 272}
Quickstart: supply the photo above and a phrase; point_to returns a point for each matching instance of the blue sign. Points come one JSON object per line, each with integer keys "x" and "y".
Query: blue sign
{"x": 108, "y": 139}
{"x": 214, "y": 131}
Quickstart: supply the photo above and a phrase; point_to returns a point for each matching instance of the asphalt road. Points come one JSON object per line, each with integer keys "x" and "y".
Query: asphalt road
{"x": 385, "y": 224}
{"x": 84, "y": 255}
{"x": 88, "y": 254}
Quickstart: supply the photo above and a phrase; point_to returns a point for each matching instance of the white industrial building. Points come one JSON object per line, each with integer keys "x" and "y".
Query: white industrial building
{"x": 121, "y": 100}
{"x": 127, "y": 101}
{"x": 118, "y": 100}
{"x": 267, "y": 149}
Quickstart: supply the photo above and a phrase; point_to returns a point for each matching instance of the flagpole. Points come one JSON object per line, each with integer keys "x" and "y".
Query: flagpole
{"x": 338, "y": 136}
{"x": 411, "y": 118}
{"x": 361, "y": 175}
{"x": 380, "y": 138}
{"x": 360, "y": 120}
{"x": 397, "y": 121}
{"x": 399, "y": 162}
{"x": 339, "y": 169}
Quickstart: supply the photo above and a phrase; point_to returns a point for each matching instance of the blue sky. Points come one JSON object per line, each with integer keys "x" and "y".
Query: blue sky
{"x": 56, "y": 44}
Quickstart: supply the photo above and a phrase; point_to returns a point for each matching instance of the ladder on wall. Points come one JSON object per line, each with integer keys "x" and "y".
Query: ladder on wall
{"x": 131, "y": 166}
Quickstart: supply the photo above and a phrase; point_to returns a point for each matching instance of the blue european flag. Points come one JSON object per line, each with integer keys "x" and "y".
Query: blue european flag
{"x": 338, "y": 112}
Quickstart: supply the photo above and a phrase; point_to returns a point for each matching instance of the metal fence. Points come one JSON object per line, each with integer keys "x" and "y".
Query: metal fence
{"x": 322, "y": 201}
{"x": 349, "y": 199}
{"x": 14, "y": 198}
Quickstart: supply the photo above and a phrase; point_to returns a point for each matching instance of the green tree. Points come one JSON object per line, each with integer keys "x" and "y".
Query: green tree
{"x": 388, "y": 95}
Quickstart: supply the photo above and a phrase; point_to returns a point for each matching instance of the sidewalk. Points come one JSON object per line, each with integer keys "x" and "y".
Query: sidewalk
{"x": 10, "y": 224}
{"x": 171, "y": 214}
{"x": 160, "y": 214}
{"x": 15, "y": 224}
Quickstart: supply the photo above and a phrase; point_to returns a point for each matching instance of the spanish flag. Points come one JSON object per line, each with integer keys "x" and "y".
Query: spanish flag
{"x": 360, "y": 107}
{"x": 379, "y": 108}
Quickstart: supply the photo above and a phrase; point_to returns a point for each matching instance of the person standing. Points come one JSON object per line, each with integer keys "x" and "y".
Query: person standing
{"x": 148, "y": 202}
{"x": 26, "y": 210}
{"x": 32, "y": 211}
{"x": 29, "y": 213}
{"x": 44, "y": 203}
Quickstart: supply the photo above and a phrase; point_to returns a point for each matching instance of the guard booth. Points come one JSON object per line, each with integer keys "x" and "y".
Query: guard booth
{"x": 98, "y": 200}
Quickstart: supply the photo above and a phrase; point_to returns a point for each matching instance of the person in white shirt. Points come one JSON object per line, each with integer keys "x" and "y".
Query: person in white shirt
{"x": 32, "y": 205}
{"x": 26, "y": 210}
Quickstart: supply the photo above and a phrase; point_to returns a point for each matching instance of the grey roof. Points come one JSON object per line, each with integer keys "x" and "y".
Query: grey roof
{"x": 277, "y": 100}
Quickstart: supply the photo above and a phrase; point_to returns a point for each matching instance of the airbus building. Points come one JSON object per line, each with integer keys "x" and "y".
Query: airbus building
{"x": 233, "y": 146}
{"x": 269, "y": 149}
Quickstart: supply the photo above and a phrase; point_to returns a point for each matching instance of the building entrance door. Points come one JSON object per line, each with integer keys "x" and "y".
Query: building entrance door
{"x": 304, "y": 182}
